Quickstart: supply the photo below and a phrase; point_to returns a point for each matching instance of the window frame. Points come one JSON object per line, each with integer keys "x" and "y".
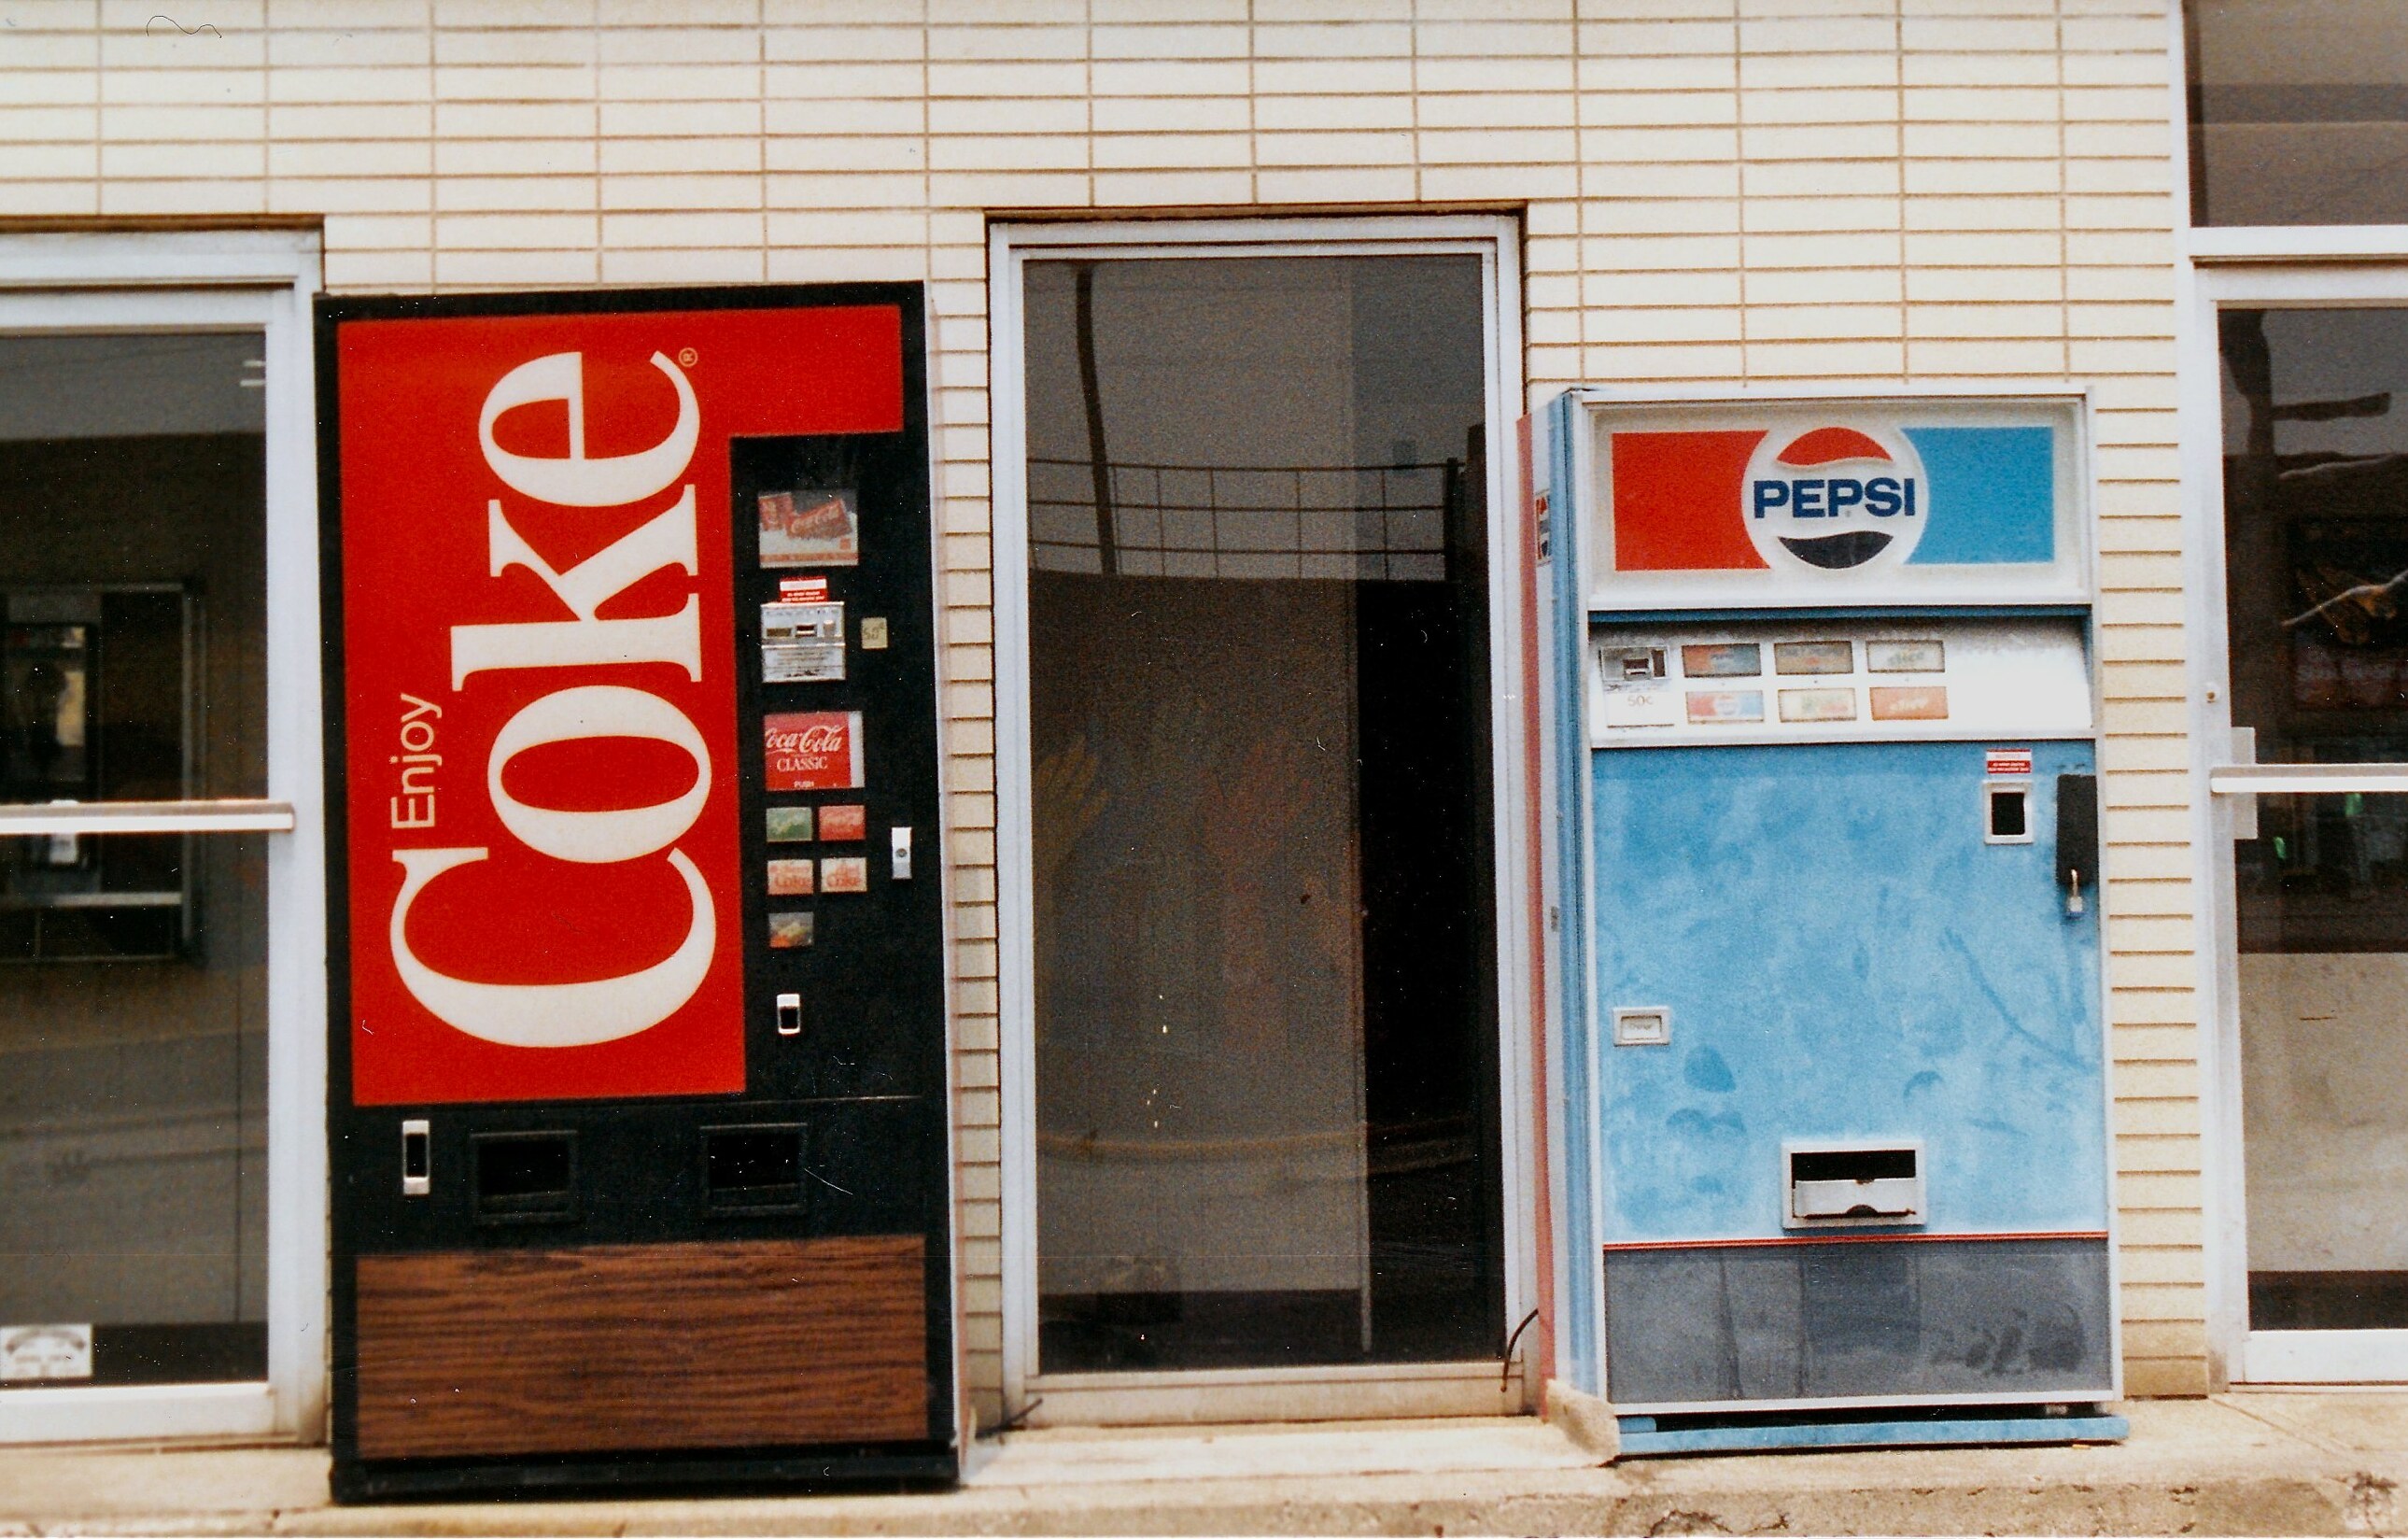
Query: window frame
{"x": 1248, "y": 1394}
{"x": 247, "y": 280}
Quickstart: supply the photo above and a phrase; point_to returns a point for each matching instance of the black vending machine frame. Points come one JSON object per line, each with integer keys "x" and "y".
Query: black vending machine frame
{"x": 868, "y": 1093}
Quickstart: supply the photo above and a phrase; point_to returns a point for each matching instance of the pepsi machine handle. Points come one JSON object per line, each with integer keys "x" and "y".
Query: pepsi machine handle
{"x": 2077, "y": 836}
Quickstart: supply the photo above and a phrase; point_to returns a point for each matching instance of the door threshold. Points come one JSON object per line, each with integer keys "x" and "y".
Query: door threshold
{"x": 1353, "y": 1392}
{"x": 2339, "y": 1360}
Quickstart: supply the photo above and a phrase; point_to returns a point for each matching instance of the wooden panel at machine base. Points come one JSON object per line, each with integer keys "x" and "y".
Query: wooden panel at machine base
{"x": 741, "y": 1344}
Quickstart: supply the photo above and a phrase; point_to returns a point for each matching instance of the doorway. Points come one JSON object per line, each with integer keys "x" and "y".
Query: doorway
{"x": 158, "y": 891}
{"x": 1266, "y": 1128}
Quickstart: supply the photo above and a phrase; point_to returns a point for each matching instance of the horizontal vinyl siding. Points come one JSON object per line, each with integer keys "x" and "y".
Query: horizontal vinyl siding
{"x": 1743, "y": 191}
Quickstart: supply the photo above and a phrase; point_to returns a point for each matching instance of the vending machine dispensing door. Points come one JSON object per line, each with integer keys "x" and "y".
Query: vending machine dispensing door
{"x": 638, "y": 1077}
{"x": 1825, "y": 756}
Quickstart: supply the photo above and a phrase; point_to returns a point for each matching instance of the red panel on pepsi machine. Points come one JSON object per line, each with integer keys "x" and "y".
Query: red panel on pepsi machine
{"x": 540, "y": 732}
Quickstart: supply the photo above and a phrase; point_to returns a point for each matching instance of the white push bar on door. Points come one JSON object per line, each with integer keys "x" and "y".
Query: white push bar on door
{"x": 146, "y": 818}
{"x": 2245, "y": 780}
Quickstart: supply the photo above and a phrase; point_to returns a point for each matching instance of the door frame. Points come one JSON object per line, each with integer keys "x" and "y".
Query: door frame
{"x": 1206, "y": 1395}
{"x": 233, "y": 280}
{"x": 2275, "y": 269}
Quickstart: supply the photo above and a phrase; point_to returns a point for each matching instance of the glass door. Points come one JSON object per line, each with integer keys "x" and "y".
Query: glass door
{"x": 1267, "y": 1119}
{"x": 134, "y": 859}
{"x": 2315, "y": 471}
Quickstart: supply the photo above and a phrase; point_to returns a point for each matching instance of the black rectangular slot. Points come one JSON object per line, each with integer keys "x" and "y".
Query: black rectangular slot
{"x": 1853, "y": 1165}
{"x": 2077, "y": 831}
{"x": 524, "y": 1178}
{"x": 753, "y": 1169}
{"x": 2009, "y": 815}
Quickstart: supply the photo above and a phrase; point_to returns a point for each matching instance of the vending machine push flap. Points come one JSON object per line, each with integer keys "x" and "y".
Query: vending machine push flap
{"x": 1825, "y": 793}
{"x": 637, "y": 1079}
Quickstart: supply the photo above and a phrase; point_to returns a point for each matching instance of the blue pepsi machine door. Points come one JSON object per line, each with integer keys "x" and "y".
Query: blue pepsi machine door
{"x": 1849, "y": 1090}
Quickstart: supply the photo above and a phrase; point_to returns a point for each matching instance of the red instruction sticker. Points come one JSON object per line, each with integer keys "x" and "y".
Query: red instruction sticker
{"x": 2006, "y": 761}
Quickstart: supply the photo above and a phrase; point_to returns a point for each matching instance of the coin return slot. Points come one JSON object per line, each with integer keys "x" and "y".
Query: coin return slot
{"x": 524, "y": 1178}
{"x": 2006, "y": 812}
{"x": 1837, "y": 1187}
{"x": 753, "y": 1169}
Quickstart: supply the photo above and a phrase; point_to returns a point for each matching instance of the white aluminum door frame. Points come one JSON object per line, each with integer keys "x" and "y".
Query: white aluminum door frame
{"x": 1401, "y": 1390}
{"x": 2265, "y": 279}
{"x": 233, "y": 281}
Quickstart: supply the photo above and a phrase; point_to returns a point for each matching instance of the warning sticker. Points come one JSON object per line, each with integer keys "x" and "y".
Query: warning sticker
{"x": 2006, "y": 761}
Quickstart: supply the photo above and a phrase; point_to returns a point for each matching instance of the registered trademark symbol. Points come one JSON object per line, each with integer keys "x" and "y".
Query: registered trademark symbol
{"x": 686, "y": 357}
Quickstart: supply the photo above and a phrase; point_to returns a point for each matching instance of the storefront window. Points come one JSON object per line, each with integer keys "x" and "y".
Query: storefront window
{"x": 2299, "y": 111}
{"x": 1266, "y": 1035}
{"x": 132, "y": 1008}
{"x": 2316, "y": 529}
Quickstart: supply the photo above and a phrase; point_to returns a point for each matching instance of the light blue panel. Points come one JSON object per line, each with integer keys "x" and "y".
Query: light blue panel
{"x": 1641, "y": 1436}
{"x": 1844, "y": 957}
{"x": 1992, "y": 495}
{"x": 1569, "y": 740}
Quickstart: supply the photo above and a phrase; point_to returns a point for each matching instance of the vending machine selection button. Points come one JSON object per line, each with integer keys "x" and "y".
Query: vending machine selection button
{"x": 790, "y": 1014}
{"x": 899, "y": 841}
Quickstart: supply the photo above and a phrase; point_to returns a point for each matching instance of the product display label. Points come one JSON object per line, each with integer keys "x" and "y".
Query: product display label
{"x": 813, "y": 751}
{"x": 810, "y": 527}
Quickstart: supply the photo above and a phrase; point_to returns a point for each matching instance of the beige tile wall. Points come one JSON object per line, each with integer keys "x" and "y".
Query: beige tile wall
{"x": 1730, "y": 191}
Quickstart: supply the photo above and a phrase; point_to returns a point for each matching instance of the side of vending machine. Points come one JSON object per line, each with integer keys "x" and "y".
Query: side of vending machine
{"x": 638, "y": 1070}
{"x": 1823, "y": 718}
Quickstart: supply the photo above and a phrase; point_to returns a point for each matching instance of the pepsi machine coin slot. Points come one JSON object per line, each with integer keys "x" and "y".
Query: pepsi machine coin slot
{"x": 2007, "y": 809}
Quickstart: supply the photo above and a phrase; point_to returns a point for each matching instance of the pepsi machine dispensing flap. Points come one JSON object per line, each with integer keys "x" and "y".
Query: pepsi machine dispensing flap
{"x": 1823, "y": 727}
{"x": 637, "y": 1073}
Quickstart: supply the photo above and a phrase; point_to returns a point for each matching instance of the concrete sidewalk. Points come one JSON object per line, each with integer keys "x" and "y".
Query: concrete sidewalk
{"x": 2245, "y": 1463}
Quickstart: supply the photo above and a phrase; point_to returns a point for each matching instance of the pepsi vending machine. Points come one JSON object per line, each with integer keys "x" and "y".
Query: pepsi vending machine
{"x": 1824, "y": 706}
{"x": 638, "y": 1075}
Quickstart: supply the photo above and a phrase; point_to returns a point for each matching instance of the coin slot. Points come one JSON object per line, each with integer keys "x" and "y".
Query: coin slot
{"x": 2006, "y": 812}
{"x": 524, "y": 1178}
{"x": 753, "y": 1169}
{"x": 416, "y": 1158}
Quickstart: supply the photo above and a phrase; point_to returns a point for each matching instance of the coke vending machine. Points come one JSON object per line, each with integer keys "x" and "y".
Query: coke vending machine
{"x": 638, "y": 1075}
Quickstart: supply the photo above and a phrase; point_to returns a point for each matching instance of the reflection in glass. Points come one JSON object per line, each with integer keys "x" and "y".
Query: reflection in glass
{"x": 2299, "y": 111}
{"x": 1266, "y": 1072}
{"x": 2316, "y": 531}
{"x": 132, "y": 1009}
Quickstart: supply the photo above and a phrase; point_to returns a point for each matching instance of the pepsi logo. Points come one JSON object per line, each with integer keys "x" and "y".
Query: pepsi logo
{"x": 1834, "y": 498}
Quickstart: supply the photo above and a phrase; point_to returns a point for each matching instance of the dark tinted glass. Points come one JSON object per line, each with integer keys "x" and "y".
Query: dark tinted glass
{"x": 2299, "y": 111}
{"x": 1266, "y": 1061}
{"x": 133, "y": 1011}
